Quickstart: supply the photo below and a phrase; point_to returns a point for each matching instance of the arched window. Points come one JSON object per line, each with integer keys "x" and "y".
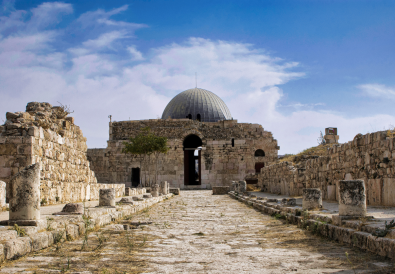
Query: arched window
{"x": 259, "y": 153}
{"x": 198, "y": 117}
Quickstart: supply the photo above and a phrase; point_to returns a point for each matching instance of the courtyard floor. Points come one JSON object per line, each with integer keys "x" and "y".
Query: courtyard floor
{"x": 197, "y": 232}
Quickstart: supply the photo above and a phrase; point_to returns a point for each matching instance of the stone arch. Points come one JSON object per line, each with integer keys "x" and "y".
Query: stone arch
{"x": 193, "y": 132}
{"x": 192, "y": 162}
{"x": 259, "y": 153}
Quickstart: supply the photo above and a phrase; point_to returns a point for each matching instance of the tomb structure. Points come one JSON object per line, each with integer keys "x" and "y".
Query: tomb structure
{"x": 207, "y": 146}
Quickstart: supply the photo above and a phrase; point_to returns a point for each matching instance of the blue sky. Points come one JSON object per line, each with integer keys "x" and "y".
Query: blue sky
{"x": 295, "y": 67}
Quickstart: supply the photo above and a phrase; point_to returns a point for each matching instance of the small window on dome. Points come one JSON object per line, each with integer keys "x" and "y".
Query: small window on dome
{"x": 259, "y": 153}
{"x": 198, "y": 117}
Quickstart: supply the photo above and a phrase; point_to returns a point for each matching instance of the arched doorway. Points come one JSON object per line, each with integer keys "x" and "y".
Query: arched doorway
{"x": 192, "y": 160}
{"x": 135, "y": 176}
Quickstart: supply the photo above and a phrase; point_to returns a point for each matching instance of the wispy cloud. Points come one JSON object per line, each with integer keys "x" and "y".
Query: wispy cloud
{"x": 377, "y": 90}
{"x": 100, "y": 71}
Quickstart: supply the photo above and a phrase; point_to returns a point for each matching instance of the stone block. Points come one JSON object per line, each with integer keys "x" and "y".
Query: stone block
{"x": 331, "y": 192}
{"x": 312, "y": 199}
{"x": 373, "y": 191}
{"x": 360, "y": 239}
{"x": 352, "y": 198}
{"x": 175, "y": 191}
{"x": 39, "y": 241}
{"x": 6, "y": 235}
{"x": 373, "y": 244}
{"x": 16, "y": 248}
{"x": 107, "y": 197}
{"x": 388, "y": 197}
{"x": 126, "y": 200}
{"x": 220, "y": 190}
{"x": 5, "y": 172}
{"x": 242, "y": 186}
{"x": 2, "y": 194}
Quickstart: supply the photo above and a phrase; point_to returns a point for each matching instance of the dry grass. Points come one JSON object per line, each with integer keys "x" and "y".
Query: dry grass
{"x": 253, "y": 188}
{"x": 320, "y": 150}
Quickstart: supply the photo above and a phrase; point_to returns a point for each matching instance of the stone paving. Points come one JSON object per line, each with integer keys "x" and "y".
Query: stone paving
{"x": 197, "y": 232}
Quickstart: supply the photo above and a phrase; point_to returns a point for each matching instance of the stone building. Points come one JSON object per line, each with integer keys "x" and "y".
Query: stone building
{"x": 207, "y": 146}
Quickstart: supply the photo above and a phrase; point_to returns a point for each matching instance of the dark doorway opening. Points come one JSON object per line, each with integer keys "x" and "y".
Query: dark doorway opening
{"x": 135, "y": 176}
{"x": 252, "y": 181}
{"x": 192, "y": 160}
{"x": 198, "y": 117}
{"x": 189, "y": 116}
{"x": 258, "y": 167}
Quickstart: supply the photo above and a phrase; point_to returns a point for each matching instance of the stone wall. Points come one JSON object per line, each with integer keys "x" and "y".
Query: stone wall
{"x": 227, "y": 151}
{"x": 369, "y": 157}
{"x": 45, "y": 134}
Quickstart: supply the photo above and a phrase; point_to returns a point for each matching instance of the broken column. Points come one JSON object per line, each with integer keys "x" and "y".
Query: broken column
{"x": 2, "y": 194}
{"x": 352, "y": 200}
{"x": 107, "y": 197}
{"x": 163, "y": 188}
{"x": 312, "y": 198}
{"x": 25, "y": 196}
{"x": 155, "y": 190}
{"x": 242, "y": 186}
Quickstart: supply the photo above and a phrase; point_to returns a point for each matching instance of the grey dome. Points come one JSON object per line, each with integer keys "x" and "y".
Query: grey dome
{"x": 197, "y": 101}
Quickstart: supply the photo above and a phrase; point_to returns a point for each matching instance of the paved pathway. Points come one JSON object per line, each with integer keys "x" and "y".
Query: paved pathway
{"x": 197, "y": 232}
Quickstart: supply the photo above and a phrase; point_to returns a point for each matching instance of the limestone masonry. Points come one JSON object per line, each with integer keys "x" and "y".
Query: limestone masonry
{"x": 45, "y": 134}
{"x": 228, "y": 152}
{"x": 368, "y": 157}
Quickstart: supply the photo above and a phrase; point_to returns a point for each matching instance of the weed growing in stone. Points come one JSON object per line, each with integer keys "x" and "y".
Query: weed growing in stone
{"x": 49, "y": 222}
{"x": 102, "y": 239}
{"x": 131, "y": 242}
{"x": 279, "y": 216}
{"x": 352, "y": 265}
{"x": 20, "y": 231}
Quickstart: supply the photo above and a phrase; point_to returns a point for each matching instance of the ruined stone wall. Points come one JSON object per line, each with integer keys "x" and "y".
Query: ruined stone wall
{"x": 369, "y": 157}
{"x": 45, "y": 134}
{"x": 220, "y": 161}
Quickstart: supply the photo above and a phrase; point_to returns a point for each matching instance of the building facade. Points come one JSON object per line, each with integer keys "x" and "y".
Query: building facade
{"x": 207, "y": 147}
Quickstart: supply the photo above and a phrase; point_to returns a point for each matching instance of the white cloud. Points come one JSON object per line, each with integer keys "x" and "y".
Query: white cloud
{"x": 136, "y": 55}
{"x": 89, "y": 76}
{"x": 377, "y": 90}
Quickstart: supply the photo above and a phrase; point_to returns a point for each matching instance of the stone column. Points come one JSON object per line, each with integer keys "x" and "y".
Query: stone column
{"x": 312, "y": 198}
{"x": 352, "y": 200}
{"x": 107, "y": 197}
{"x": 242, "y": 186}
{"x": 2, "y": 193}
{"x": 25, "y": 195}
{"x": 163, "y": 188}
{"x": 155, "y": 190}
